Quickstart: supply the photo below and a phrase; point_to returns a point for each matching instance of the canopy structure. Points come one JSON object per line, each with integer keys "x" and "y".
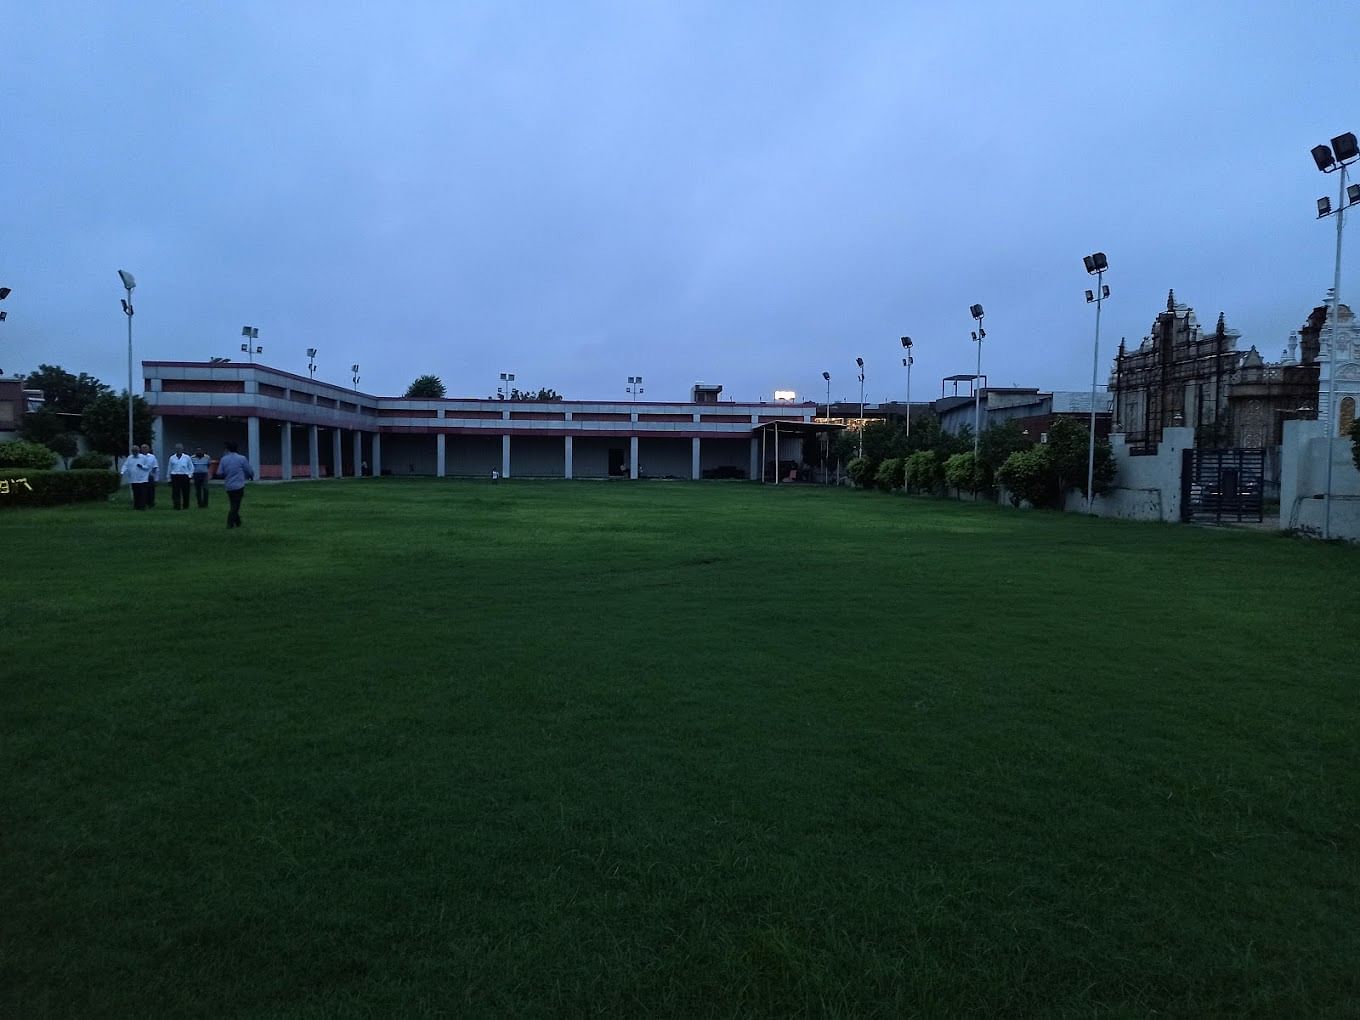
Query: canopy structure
{"x": 772, "y": 433}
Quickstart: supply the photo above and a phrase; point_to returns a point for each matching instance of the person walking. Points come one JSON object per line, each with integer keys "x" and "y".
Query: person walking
{"x": 181, "y": 469}
{"x": 135, "y": 470}
{"x": 234, "y": 469}
{"x": 153, "y": 474}
{"x": 202, "y": 465}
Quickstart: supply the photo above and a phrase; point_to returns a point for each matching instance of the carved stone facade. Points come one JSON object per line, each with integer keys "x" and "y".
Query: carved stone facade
{"x": 1180, "y": 376}
{"x": 1343, "y": 358}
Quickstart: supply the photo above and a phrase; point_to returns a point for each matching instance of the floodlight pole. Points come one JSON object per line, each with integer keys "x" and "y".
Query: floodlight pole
{"x": 1334, "y": 419}
{"x": 977, "y": 389}
{"x": 860, "y": 362}
{"x": 1095, "y": 371}
{"x": 128, "y": 284}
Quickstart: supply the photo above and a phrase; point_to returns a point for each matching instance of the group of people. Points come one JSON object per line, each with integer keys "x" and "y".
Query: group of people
{"x": 143, "y": 470}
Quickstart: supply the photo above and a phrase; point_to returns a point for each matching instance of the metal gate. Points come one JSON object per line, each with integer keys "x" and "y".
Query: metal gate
{"x": 1222, "y": 485}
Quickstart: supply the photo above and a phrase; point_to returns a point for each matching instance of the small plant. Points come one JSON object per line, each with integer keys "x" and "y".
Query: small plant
{"x": 862, "y": 472}
{"x": 923, "y": 472}
{"x": 1029, "y": 476}
{"x": 962, "y": 472}
{"x": 891, "y": 474}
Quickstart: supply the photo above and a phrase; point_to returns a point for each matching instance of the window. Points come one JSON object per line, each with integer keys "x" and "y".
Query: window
{"x": 1347, "y": 415}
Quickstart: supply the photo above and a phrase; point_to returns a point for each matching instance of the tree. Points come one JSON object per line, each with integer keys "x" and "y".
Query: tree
{"x": 923, "y": 472}
{"x": 64, "y": 446}
{"x": 891, "y": 474}
{"x": 105, "y": 423}
{"x": 961, "y": 473}
{"x": 1069, "y": 442}
{"x": 64, "y": 392}
{"x": 426, "y": 387}
{"x": 1029, "y": 476}
{"x": 859, "y": 471}
{"x": 23, "y": 454}
{"x": 1355, "y": 442}
{"x": 995, "y": 445}
{"x": 42, "y": 425}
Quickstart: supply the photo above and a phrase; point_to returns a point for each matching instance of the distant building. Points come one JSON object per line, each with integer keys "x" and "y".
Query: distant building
{"x": 1032, "y": 409}
{"x": 1181, "y": 376}
{"x": 15, "y": 402}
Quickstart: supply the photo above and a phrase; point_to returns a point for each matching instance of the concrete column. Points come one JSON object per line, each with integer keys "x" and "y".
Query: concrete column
{"x": 505, "y": 455}
{"x": 158, "y": 443}
{"x": 253, "y": 444}
{"x": 358, "y": 437}
{"x": 633, "y": 457}
{"x": 337, "y": 455}
{"x": 694, "y": 459}
{"x": 755, "y": 474}
{"x": 377, "y": 454}
{"x": 314, "y": 450}
{"x": 566, "y": 444}
{"x": 439, "y": 443}
{"x": 286, "y": 454}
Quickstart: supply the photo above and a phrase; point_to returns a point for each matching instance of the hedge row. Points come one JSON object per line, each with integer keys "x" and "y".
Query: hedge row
{"x": 21, "y": 487}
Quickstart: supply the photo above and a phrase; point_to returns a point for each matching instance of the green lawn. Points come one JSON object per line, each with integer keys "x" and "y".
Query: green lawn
{"x": 410, "y": 748}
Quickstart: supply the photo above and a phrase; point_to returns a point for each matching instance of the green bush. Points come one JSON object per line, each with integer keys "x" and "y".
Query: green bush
{"x": 891, "y": 474}
{"x": 1029, "y": 476}
{"x": 22, "y": 487}
{"x": 861, "y": 471}
{"x": 961, "y": 472}
{"x": 91, "y": 462}
{"x": 1355, "y": 442}
{"x": 923, "y": 472}
{"x": 22, "y": 454}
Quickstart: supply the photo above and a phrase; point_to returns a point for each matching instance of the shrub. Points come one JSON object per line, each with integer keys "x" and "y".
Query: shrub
{"x": 923, "y": 472}
{"x": 91, "y": 462}
{"x": 1069, "y": 442}
{"x": 1355, "y": 442}
{"x": 1029, "y": 475}
{"x": 891, "y": 474}
{"x": 962, "y": 472}
{"x": 21, "y": 487}
{"x": 22, "y": 454}
{"x": 64, "y": 446}
{"x": 861, "y": 471}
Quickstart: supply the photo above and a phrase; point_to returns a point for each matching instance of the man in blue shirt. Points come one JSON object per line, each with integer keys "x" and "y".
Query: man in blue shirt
{"x": 234, "y": 469}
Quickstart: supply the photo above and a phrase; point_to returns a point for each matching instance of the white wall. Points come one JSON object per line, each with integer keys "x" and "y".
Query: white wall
{"x": 1303, "y": 480}
{"x": 1145, "y": 488}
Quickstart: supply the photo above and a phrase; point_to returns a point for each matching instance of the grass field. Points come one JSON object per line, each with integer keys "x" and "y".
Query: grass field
{"x": 416, "y": 748}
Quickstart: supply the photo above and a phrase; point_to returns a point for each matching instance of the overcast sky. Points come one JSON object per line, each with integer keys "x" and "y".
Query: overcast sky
{"x": 740, "y": 193}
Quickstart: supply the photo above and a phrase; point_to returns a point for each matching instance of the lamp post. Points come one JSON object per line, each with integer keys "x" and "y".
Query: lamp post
{"x": 826, "y": 456}
{"x": 907, "y": 361}
{"x": 129, "y": 284}
{"x": 634, "y": 387}
{"x": 1096, "y": 264}
{"x": 979, "y": 335}
{"x": 1341, "y": 154}
{"x": 250, "y": 347}
{"x": 311, "y": 362}
{"x": 860, "y": 363}
{"x": 354, "y": 374}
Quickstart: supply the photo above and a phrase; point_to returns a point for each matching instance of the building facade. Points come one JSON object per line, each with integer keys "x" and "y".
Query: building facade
{"x": 290, "y": 426}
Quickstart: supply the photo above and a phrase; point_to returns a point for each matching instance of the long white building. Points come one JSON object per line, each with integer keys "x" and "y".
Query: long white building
{"x": 290, "y": 426}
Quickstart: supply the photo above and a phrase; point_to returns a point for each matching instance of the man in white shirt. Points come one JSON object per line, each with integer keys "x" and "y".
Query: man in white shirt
{"x": 135, "y": 470}
{"x": 181, "y": 475}
{"x": 153, "y": 474}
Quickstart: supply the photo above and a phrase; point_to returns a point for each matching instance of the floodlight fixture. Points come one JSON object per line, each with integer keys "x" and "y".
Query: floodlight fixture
{"x": 906, "y": 342}
{"x": 127, "y": 308}
{"x": 129, "y": 281}
{"x": 1324, "y": 207}
{"x": 826, "y": 376}
{"x": 4, "y": 293}
{"x": 311, "y": 352}
{"x": 251, "y": 332}
{"x": 1322, "y": 156}
{"x": 4, "y": 316}
{"x": 1345, "y": 148}
{"x": 975, "y": 334}
{"x": 1090, "y": 296}
{"x": 1104, "y": 290}
{"x": 976, "y": 312}
{"x": 1353, "y": 193}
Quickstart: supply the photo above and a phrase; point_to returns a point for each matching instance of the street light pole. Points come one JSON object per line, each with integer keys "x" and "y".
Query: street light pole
{"x": 1342, "y": 152}
{"x": 1095, "y": 264}
{"x": 826, "y": 456}
{"x": 860, "y": 363}
{"x": 129, "y": 284}
{"x": 978, "y": 337}
{"x": 907, "y": 345}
